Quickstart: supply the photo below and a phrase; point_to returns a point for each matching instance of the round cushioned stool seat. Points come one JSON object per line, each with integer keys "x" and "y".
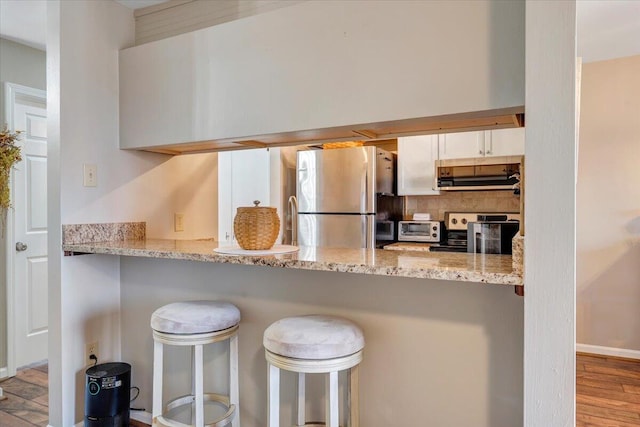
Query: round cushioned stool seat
{"x": 313, "y": 337}
{"x": 195, "y": 317}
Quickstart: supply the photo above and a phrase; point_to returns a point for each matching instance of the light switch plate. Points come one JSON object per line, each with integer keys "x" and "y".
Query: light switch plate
{"x": 90, "y": 177}
{"x": 178, "y": 222}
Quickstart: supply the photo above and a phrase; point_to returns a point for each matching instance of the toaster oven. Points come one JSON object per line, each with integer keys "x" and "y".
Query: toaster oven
{"x": 420, "y": 231}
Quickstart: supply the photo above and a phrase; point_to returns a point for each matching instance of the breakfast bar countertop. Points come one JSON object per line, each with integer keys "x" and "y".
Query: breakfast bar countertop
{"x": 408, "y": 246}
{"x": 480, "y": 268}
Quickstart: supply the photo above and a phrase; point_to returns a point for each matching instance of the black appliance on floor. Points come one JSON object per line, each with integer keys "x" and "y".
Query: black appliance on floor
{"x": 107, "y": 395}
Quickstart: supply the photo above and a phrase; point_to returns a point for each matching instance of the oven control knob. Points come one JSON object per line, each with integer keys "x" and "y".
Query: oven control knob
{"x": 434, "y": 235}
{"x": 464, "y": 220}
{"x": 454, "y": 221}
{"x": 435, "y": 228}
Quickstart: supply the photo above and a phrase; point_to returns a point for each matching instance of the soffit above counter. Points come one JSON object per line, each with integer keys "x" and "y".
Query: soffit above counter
{"x": 322, "y": 71}
{"x": 370, "y": 132}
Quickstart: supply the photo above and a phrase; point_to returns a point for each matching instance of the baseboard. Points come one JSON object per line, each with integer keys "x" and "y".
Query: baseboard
{"x": 142, "y": 416}
{"x": 608, "y": 351}
{"x": 4, "y": 372}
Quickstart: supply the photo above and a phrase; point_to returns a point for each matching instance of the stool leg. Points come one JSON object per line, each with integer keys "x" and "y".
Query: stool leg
{"x": 302, "y": 418}
{"x": 234, "y": 393}
{"x": 157, "y": 380}
{"x": 193, "y": 385}
{"x": 198, "y": 373}
{"x": 273, "y": 396}
{"x": 331, "y": 392}
{"x": 353, "y": 394}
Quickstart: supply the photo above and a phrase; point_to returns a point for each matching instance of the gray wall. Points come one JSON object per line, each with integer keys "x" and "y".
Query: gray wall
{"x": 25, "y": 66}
{"x": 437, "y": 352}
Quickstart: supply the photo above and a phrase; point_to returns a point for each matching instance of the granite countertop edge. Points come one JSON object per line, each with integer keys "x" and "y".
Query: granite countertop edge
{"x": 333, "y": 260}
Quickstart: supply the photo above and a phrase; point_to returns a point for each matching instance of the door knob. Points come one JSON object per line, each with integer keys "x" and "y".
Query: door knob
{"x": 20, "y": 247}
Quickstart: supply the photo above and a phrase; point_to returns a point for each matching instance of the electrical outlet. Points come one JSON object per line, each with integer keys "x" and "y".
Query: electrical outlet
{"x": 178, "y": 222}
{"x": 89, "y": 349}
{"x": 90, "y": 177}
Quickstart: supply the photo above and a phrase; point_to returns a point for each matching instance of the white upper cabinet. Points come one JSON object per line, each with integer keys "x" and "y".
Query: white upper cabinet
{"x": 504, "y": 142}
{"x": 416, "y": 165}
{"x": 497, "y": 142}
{"x": 461, "y": 145}
{"x": 318, "y": 65}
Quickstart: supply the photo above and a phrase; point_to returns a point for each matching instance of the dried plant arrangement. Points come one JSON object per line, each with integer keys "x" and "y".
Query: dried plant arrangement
{"x": 9, "y": 156}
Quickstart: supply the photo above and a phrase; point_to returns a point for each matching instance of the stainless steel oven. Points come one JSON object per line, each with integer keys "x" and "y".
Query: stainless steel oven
{"x": 457, "y": 224}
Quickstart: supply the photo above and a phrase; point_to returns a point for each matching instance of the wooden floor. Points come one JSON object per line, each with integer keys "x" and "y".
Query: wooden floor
{"x": 607, "y": 391}
{"x": 607, "y": 394}
{"x": 27, "y": 402}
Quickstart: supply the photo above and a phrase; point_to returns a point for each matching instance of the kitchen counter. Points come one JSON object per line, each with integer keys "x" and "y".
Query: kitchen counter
{"x": 496, "y": 269}
{"x": 480, "y": 323}
{"x": 408, "y": 246}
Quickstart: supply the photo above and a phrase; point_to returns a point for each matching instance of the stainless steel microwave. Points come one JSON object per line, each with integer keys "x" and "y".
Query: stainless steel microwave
{"x": 420, "y": 231}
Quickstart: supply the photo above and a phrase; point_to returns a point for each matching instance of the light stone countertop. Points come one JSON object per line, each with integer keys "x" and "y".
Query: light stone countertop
{"x": 408, "y": 246}
{"x": 478, "y": 268}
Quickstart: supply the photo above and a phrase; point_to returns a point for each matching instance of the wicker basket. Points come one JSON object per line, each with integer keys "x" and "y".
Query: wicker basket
{"x": 256, "y": 228}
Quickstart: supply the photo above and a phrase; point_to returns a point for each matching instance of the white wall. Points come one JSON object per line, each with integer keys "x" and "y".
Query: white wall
{"x": 608, "y": 245}
{"x": 83, "y": 43}
{"x": 25, "y": 66}
{"x": 437, "y": 353}
{"x": 550, "y": 242}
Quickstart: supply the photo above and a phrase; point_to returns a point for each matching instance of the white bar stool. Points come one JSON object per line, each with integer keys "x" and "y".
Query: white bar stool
{"x": 196, "y": 323}
{"x": 314, "y": 344}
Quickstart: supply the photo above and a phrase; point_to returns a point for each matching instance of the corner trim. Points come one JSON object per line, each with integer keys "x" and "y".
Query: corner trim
{"x": 608, "y": 351}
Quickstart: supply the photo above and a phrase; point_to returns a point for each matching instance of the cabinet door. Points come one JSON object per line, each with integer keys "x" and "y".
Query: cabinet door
{"x": 243, "y": 176}
{"x": 461, "y": 145}
{"x": 416, "y": 165}
{"x": 505, "y": 142}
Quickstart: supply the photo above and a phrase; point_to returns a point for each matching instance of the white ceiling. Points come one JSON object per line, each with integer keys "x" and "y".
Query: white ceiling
{"x": 606, "y": 28}
{"x": 24, "y": 22}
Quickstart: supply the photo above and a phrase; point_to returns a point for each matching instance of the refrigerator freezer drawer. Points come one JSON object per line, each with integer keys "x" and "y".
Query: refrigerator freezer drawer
{"x": 337, "y": 231}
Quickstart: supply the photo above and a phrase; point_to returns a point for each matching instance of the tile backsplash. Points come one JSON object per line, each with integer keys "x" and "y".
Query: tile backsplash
{"x": 462, "y": 201}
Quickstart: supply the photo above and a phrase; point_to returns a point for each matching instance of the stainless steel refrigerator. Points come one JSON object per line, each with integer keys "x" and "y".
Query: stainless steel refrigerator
{"x": 337, "y": 192}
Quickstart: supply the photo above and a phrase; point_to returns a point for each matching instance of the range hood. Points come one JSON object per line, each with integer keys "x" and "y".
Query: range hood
{"x": 482, "y": 173}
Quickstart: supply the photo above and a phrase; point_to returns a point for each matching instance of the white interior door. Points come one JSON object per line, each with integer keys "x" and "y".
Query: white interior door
{"x": 28, "y": 244}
